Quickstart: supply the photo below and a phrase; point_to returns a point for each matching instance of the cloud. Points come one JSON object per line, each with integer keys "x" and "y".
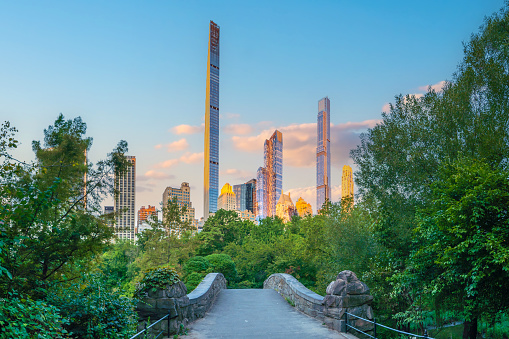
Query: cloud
{"x": 158, "y": 175}
{"x": 192, "y": 158}
{"x": 140, "y": 189}
{"x": 438, "y": 87}
{"x": 299, "y": 142}
{"x": 167, "y": 163}
{"x": 238, "y": 129}
{"x": 386, "y": 107}
{"x": 240, "y": 175}
{"x": 187, "y": 129}
{"x": 229, "y": 116}
{"x": 158, "y": 146}
{"x": 179, "y": 145}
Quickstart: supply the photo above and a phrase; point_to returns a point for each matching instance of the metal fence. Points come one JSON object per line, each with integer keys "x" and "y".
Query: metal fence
{"x": 374, "y": 336}
{"x": 146, "y": 330}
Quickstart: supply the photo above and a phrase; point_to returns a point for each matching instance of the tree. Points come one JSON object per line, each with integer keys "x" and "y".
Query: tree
{"x": 462, "y": 255}
{"x": 46, "y": 225}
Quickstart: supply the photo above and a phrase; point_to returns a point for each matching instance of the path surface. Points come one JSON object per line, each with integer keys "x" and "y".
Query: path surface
{"x": 257, "y": 313}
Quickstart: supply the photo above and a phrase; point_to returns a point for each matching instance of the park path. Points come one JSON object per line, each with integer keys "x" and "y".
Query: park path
{"x": 257, "y": 313}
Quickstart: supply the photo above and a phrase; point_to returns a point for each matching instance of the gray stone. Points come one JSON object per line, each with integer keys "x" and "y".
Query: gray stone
{"x": 357, "y": 287}
{"x": 347, "y": 276}
{"x": 357, "y": 300}
{"x": 336, "y": 287}
{"x": 176, "y": 290}
{"x": 332, "y": 301}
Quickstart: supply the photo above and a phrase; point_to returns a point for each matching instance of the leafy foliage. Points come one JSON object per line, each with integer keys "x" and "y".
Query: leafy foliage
{"x": 157, "y": 278}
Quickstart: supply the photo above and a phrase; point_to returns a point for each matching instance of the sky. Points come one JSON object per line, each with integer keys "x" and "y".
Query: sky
{"x": 136, "y": 71}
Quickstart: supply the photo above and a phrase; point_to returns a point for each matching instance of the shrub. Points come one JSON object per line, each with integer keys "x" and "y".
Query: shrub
{"x": 223, "y": 263}
{"x": 94, "y": 311}
{"x": 196, "y": 264}
{"x": 157, "y": 278}
{"x": 22, "y": 317}
{"x": 194, "y": 279}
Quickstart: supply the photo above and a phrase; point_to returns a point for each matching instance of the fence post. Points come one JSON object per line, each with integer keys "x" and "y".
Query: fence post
{"x": 169, "y": 316}
{"x": 374, "y": 323}
{"x": 346, "y": 322}
{"x": 425, "y": 333}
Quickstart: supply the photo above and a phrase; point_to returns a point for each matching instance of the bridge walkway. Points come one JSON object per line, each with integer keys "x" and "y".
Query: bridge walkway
{"x": 257, "y": 313}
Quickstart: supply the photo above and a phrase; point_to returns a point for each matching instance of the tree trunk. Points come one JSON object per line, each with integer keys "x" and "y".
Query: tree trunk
{"x": 470, "y": 329}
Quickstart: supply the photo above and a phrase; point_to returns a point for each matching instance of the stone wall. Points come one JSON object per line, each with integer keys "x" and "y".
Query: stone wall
{"x": 346, "y": 293}
{"x": 183, "y": 307}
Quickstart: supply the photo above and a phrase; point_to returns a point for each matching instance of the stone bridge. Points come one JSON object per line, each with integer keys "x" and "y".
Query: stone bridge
{"x": 284, "y": 308}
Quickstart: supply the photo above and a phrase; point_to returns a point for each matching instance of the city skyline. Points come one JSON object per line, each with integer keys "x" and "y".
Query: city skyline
{"x": 323, "y": 170}
{"x": 118, "y": 64}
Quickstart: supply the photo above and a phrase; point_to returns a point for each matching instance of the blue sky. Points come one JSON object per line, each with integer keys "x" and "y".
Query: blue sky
{"x": 136, "y": 71}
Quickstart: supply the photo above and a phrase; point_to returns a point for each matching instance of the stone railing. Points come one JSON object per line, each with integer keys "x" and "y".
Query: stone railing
{"x": 345, "y": 294}
{"x": 182, "y": 307}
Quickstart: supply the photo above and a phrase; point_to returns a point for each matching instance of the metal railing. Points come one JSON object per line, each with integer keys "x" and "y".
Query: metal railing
{"x": 411, "y": 335}
{"x": 146, "y": 329}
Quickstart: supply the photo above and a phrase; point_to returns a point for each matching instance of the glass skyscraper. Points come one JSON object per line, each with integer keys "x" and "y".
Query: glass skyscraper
{"x": 211, "y": 152}
{"x": 245, "y": 195}
{"x": 323, "y": 189}
{"x": 269, "y": 185}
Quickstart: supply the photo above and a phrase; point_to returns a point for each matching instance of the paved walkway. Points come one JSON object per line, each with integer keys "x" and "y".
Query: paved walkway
{"x": 257, "y": 313}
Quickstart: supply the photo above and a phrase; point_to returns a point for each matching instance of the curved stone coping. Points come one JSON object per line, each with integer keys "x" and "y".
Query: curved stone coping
{"x": 295, "y": 285}
{"x": 211, "y": 282}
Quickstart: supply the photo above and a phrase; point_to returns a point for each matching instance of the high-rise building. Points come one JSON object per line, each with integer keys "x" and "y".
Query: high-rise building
{"x": 125, "y": 194}
{"x": 270, "y": 178}
{"x": 303, "y": 208}
{"x": 145, "y": 213}
{"x": 323, "y": 189}
{"x": 347, "y": 183}
{"x": 211, "y": 152}
{"x": 245, "y": 196}
{"x": 226, "y": 200}
{"x": 183, "y": 197}
{"x": 285, "y": 209}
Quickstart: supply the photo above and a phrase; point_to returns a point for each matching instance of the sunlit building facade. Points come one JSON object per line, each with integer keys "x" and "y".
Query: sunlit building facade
{"x": 183, "y": 198}
{"x": 303, "y": 208}
{"x": 125, "y": 201}
{"x": 347, "y": 183}
{"x": 211, "y": 151}
{"x": 285, "y": 209}
{"x": 323, "y": 188}
{"x": 270, "y": 177}
{"x": 245, "y": 196}
{"x": 145, "y": 213}
{"x": 226, "y": 200}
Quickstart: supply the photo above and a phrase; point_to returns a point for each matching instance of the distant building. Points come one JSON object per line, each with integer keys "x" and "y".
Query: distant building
{"x": 145, "y": 213}
{"x": 125, "y": 201}
{"x": 270, "y": 177}
{"x": 211, "y": 151}
{"x": 245, "y": 196}
{"x": 303, "y": 208}
{"x": 347, "y": 183}
{"x": 226, "y": 200}
{"x": 109, "y": 214}
{"x": 183, "y": 197}
{"x": 246, "y": 215}
{"x": 323, "y": 155}
{"x": 285, "y": 209}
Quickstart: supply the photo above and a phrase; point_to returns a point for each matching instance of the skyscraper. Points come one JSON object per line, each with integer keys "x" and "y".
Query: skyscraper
{"x": 245, "y": 196}
{"x": 347, "y": 183}
{"x": 270, "y": 178}
{"x": 323, "y": 189}
{"x": 285, "y": 209}
{"x": 183, "y": 197}
{"x": 226, "y": 200}
{"x": 211, "y": 153}
{"x": 125, "y": 192}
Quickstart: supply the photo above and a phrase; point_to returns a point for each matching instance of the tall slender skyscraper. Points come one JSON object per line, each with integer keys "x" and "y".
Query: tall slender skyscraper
{"x": 125, "y": 190}
{"x": 323, "y": 189}
{"x": 269, "y": 183}
{"x": 211, "y": 153}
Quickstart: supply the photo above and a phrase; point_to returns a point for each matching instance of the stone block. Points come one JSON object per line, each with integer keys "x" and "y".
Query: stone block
{"x": 332, "y": 301}
{"x": 328, "y": 321}
{"x": 336, "y": 287}
{"x": 357, "y": 287}
{"x": 182, "y": 301}
{"x": 356, "y": 300}
{"x": 347, "y": 276}
{"x": 155, "y": 293}
{"x": 176, "y": 290}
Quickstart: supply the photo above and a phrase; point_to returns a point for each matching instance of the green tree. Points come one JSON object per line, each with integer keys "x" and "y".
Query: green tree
{"x": 47, "y": 227}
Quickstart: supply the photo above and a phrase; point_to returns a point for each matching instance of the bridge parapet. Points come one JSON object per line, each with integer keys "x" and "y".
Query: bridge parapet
{"x": 345, "y": 294}
{"x": 183, "y": 308}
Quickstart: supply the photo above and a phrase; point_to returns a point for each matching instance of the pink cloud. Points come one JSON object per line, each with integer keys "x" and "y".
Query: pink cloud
{"x": 179, "y": 145}
{"x": 187, "y": 129}
{"x": 239, "y": 175}
{"x": 238, "y": 129}
{"x": 192, "y": 158}
{"x": 167, "y": 163}
{"x": 158, "y": 146}
{"x": 438, "y": 87}
{"x": 157, "y": 175}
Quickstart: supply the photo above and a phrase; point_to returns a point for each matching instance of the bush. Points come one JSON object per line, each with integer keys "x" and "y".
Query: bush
{"x": 157, "y": 278}
{"x": 26, "y": 318}
{"x": 194, "y": 279}
{"x": 94, "y": 311}
{"x": 196, "y": 264}
{"x": 223, "y": 263}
